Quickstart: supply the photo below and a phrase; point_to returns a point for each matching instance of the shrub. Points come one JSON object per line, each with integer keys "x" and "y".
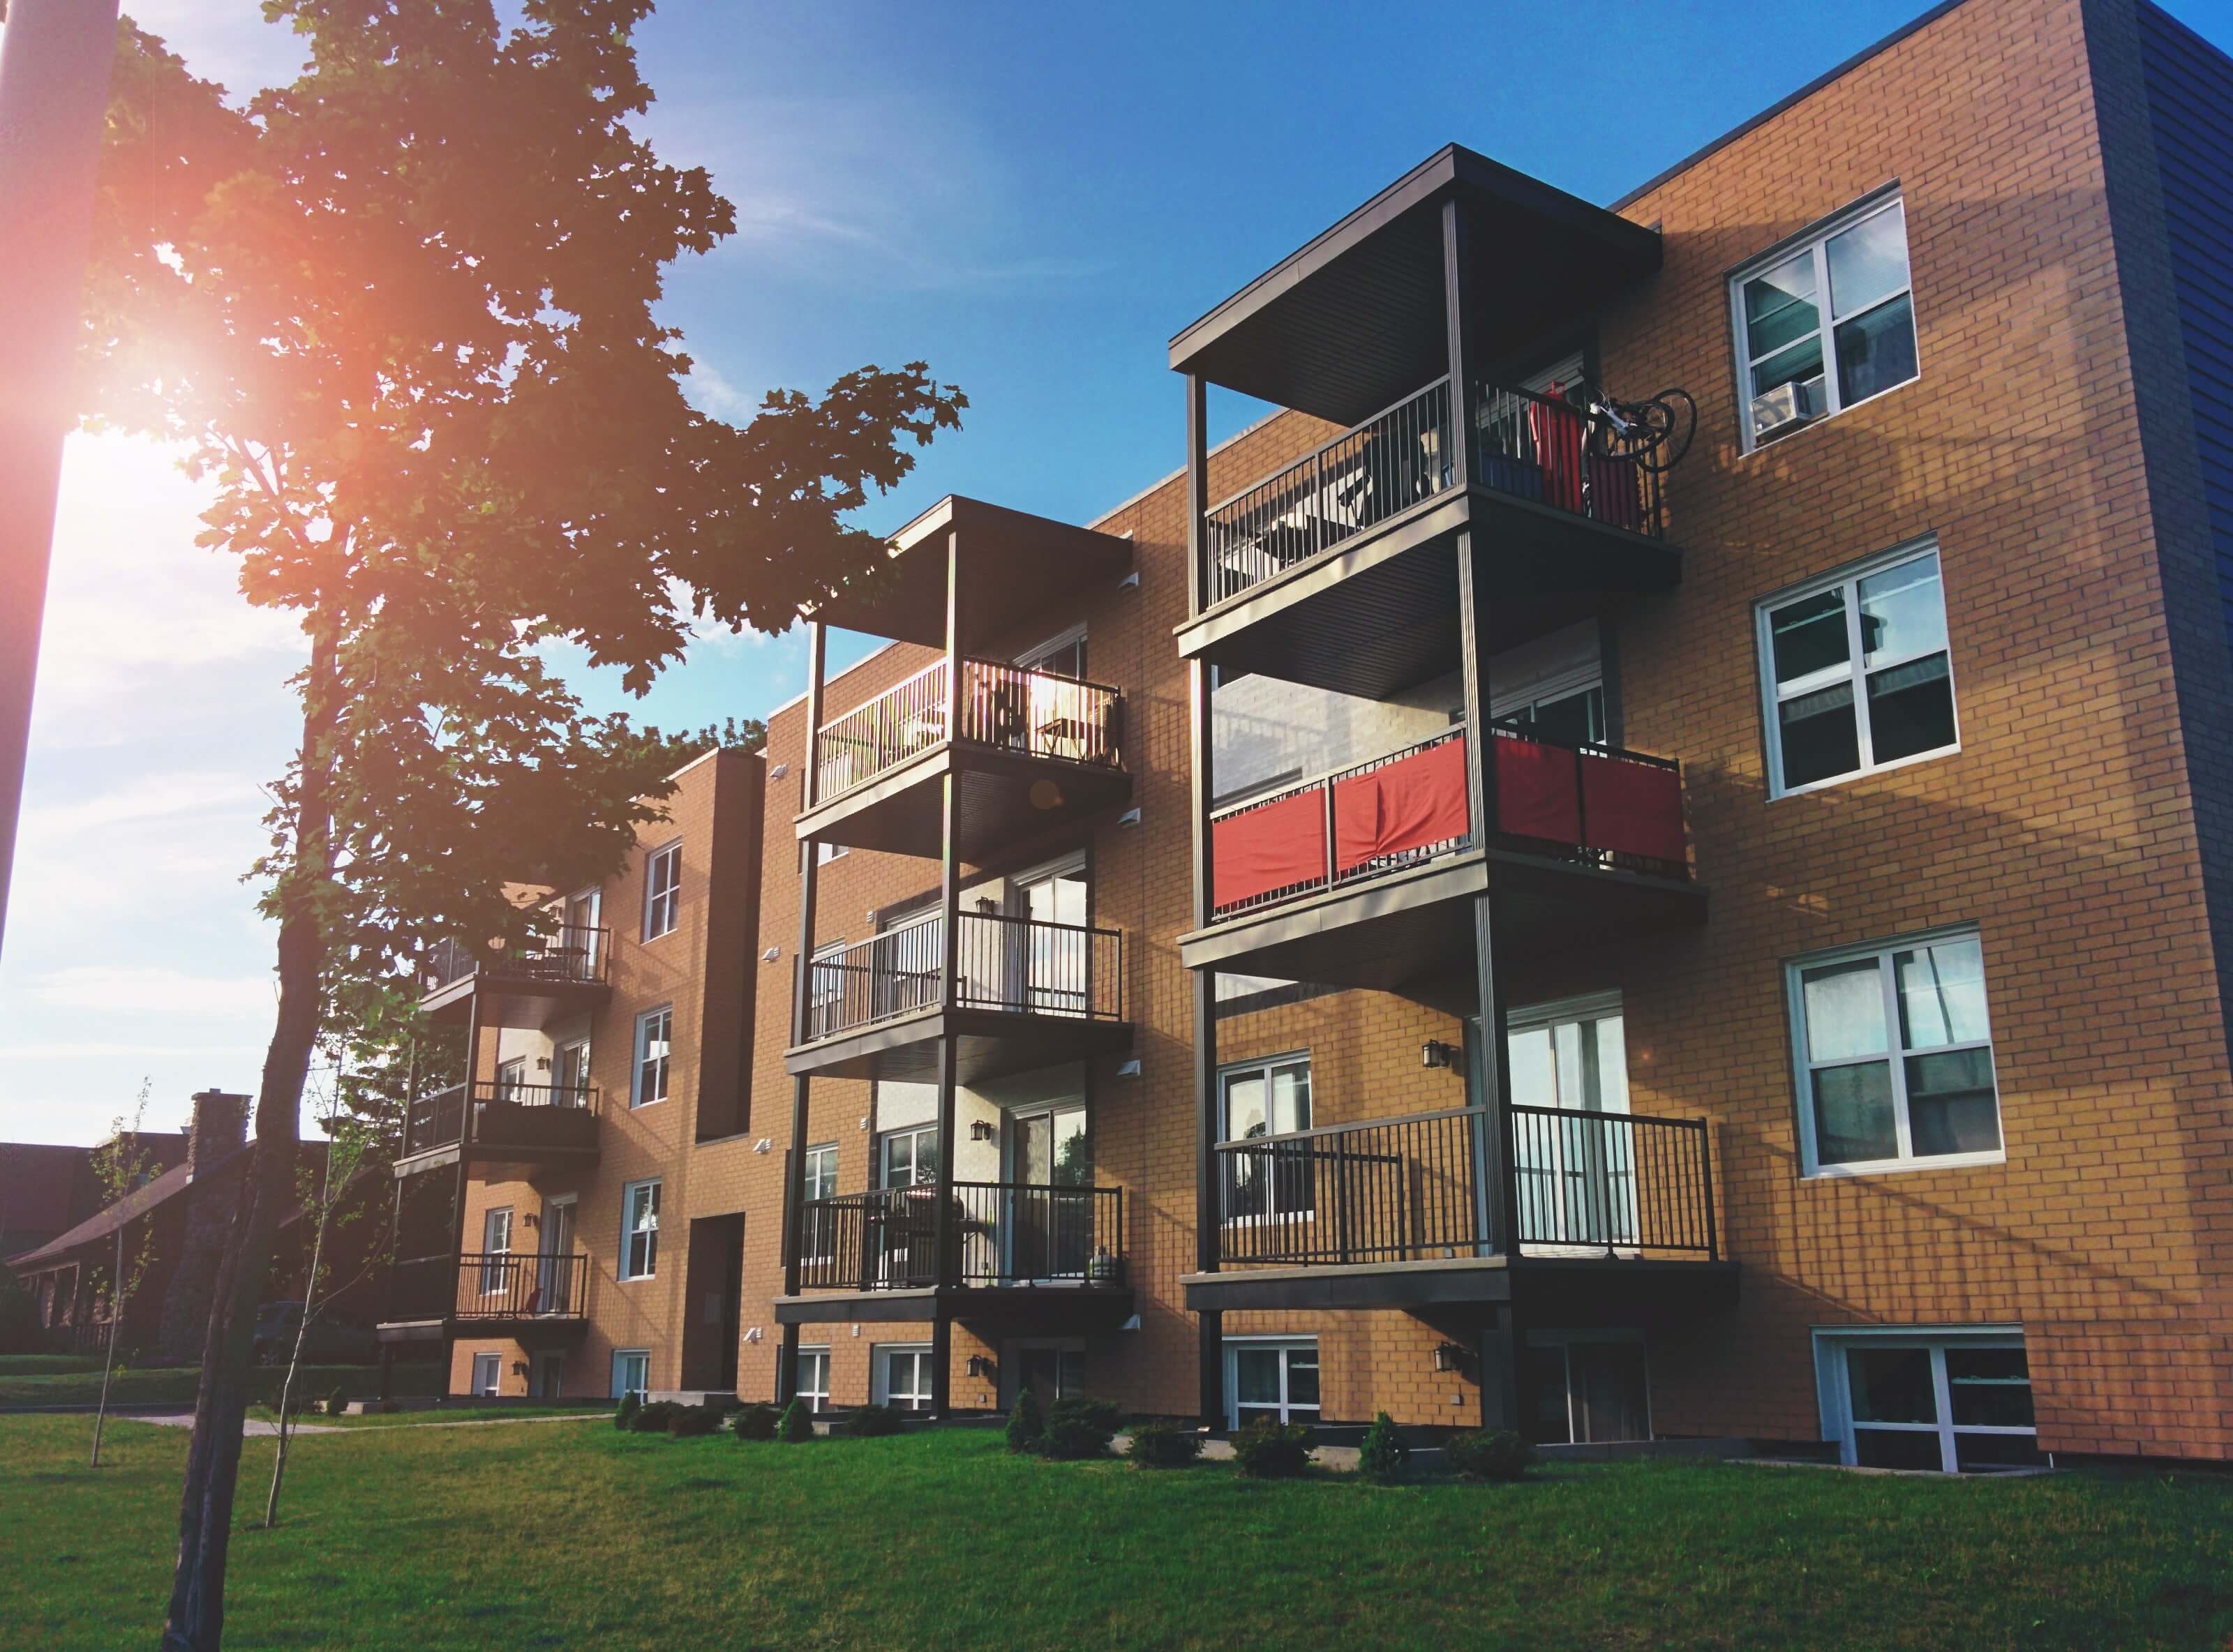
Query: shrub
{"x": 1269, "y": 1450}
{"x": 872, "y": 1422}
{"x": 796, "y": 1423}
{"x": 337, "y": 1403}
{"x": 1026, "y": 1429}
{"x": 655, "y": 1418}
{"x": 391, "y": 1408}
{"x": 756, "y": 1422}
{"x": 693, "y": 1422}
{"x": 1164, "y": 1444}
{"x": 624, "y": 1417}
{"x": 1491, "y": 1454}
{"x": 1382, "y": 1452}
{"x": 1079, "y": 1428}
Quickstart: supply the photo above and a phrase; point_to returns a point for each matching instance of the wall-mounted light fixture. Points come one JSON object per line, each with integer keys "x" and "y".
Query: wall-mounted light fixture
{"x": 1129, "y": 1068}
{"x": 765, "y": 1144}
{"x": 778, "y": 771}
{"x": 771, "y": 954}
{"x": 1130, "y": 817}
{"x": 1448, "y": 1356}
{"x": 542, "y": 1063}
{"x": 519, "y": 1368}
{"x": 1435, "y": 1053}
{"x": 980, "y": 1365}
{"x": 753, "y": 1335}
{"x": 1130, "y": 581}
{"x": 982, "y": 1130}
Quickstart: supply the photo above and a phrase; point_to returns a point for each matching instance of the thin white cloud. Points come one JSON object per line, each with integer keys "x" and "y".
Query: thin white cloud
{"x": 150, "y": 989}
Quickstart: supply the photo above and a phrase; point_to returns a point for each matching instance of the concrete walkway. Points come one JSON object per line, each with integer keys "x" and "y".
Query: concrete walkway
{"x": 250, "y": 1428}
{"x": 256, "y": 1428}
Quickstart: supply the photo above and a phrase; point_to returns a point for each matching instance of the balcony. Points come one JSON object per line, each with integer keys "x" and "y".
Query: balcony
{"x": 1036, "y": 750}
{"x": 528, "y": 1297}
{"x": 1366, "y": 877}
{"x": 1608, "y": 1209}
{"x": 1030, "y": 1256}
{"x": 1027, "y": 993}
{"x": 504, "y": 1130}
{"x": 528, "y": 986}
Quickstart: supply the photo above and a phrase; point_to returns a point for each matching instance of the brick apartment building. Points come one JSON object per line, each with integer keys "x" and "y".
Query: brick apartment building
{"x": 1427, "y": 910}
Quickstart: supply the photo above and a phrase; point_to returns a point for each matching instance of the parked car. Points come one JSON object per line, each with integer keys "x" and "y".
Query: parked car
{"x": 330, "y": 1343}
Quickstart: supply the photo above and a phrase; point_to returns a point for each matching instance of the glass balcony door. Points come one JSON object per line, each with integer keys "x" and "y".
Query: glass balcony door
{"x": 1050, "y": 1229}
{"x": 1576, "y": 1177}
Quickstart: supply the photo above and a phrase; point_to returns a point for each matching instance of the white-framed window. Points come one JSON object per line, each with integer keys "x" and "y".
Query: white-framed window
{"x": 1956, "y": 1400}
{"x": 825, "y": 988}
{"x": 1063, "y": 656}
{"x": 640, "y": 1229}
{"x": 1826, "y": 325}
{"x": 569, "y": 1073}
{"x": 488, "y": 1374}
{"x": 903, "y": 1375}
{"x": 662, "y": 891}
{"x": 1271, "y": 1376}
{"x": 631, "y": 1371}
{"x": 814, "y": 1378}
{"x": 909, "y": 1158}
{"x": 1858, "y": 675}
{"x": 825, "y": 851}
{"x": 819, "y": 1180}
{"x": 654, "y": 1046}
{"x": 580, "y": 937}
{"x": 496, "y": 1248}
{"x": 511, "y": 1078}
{"x": 1266, "y": 1098}
{"x": 1895, "y": 1056}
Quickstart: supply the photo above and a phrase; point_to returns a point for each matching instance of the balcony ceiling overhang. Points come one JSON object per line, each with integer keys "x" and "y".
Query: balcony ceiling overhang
{"x": 1353, "y": 322}
{"x": 1002, "y": 799}
{"x": 988, "y": 1044}
{"x": 1048, "y": 1311}
{"x": 1014, "y": 566}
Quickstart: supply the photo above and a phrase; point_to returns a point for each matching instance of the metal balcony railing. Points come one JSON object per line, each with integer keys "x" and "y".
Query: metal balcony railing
{"x": 1000, "y": 1234}
{"x": 498, "y": 1110}
{"x": 1003, "y": 707}
{"x": 492, "y": 1284}
{"x": 1023, "y": 964}
{"x": 571, "y": 952}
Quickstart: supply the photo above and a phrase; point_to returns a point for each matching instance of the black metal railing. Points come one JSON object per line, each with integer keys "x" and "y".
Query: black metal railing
{"x": 1024, "y": 965}
{"x": 997, "y": 1233}
{"x": 491, "y": 1285}
{"x": 570, "y": 952}
{"x": 1536, "y": 446}
{"x": 498, "y": 1112}
{"x": 1006, "y": 707}
{"x": 1412, "y": 1189}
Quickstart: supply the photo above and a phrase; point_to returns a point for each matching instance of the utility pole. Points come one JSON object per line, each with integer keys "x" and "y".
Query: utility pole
{"x": 55, "y": 58}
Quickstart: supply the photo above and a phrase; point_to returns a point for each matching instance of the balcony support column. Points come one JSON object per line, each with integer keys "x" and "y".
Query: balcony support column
{"x": 1201, "y": 591}
{"x": 802, "y": 984}
{"x": 1201, "y": 729}
{"x": 946, "y": 1235}
{"x": 463, "y": 1181}
{"x": 1459, "y": 308}
{"x": 1500, "y": 1361}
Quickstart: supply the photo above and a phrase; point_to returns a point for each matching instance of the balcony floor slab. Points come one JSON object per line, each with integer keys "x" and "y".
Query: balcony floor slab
{"x": 1000, "y": 798}
{"x": 1047, "y": 1309}
{"x": 1568, "y": 1292}
{"x": 989, "y": 1044}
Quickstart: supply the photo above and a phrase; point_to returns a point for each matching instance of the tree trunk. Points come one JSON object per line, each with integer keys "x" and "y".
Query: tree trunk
{"x": 115, "y": 1325}
{"x": 302, "y": 1335}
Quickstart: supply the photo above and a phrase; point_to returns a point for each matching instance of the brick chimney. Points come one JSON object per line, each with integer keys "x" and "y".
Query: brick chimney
{"x": 220, "y": 1125}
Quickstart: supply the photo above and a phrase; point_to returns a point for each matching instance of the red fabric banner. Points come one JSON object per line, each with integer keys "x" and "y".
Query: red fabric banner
{"x": 1538, "y": 794}
{"x": 1558, "y": 432}
{"x": 1633, "y": 808}
{"x": 1410, "y": 804}
{"x": 1614, "y": 496}
{"x": 1276, "y": 847}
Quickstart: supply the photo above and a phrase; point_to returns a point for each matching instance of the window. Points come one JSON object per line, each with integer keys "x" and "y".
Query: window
{"x": 655, "y": 1031}
{"x": 570, "y": 1074}
{"x": 825, "y": 852}
{"x": 1063, "y": 656}
{"x": 1589, "y": 1386}
{"x": 488, "y": 1374}
{"x": 910, "y": 1157}
{"x": 640, "y": 1229}
{"x": 1895, "y": 1058}
{"x": 580, "y": 937}
{"x": 819, "y": 1182}
{"x": 496, "y": 1247}
{"x": 814, "y": 1378}
{"x": 1859, "y": 675}
{"x": 511, "y": 1078}
{"x": 1834, "y": 322}
{"x": 1266, "y": 1098}
{"x": 903, "y": 1378}
{"x": 825, "y": 990}
{"x": 1958, "y": 1403}
{"x": 631, "y": 1371}
{"x": 1272, "y": 1378}
{"x": 662, "y": 891}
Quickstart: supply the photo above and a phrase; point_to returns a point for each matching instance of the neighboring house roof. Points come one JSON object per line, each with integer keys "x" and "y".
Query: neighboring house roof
{"x": 38, "y": 1186}
{"x": 130, "y": 1208}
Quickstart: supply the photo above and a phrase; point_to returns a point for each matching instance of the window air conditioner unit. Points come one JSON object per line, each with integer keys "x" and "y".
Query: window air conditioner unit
{"x": 1784, "y": 407}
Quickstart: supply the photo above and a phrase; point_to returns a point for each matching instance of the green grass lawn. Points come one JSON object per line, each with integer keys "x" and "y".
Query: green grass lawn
{"x": 576, "y": 1536}
{"x": 68, "y": 1381}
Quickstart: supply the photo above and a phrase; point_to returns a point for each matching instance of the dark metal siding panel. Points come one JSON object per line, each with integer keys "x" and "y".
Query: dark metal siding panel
{"x": 2191, "y": 110}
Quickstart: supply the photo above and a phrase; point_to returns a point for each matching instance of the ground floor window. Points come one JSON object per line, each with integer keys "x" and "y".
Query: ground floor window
{"x": 547, "y": 1374}
{"x": 1050, "y": 1374}
{"x": 488, "y": 1374}
{"x": 814, "y": 1378}
{"x": 631, "y": 1371}
{"x": 1588, "y": 1388}
{"x": 1957, "y": 1402}
{"x": 903, "y": 1375}
{"x": 1272, "y": 1377}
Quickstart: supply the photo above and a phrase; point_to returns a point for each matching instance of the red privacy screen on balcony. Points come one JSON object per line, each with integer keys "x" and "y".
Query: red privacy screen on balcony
{"x": 1276, "y": 847}
{"x": 1410, "y": 804}
{"x": 1537, "y": 795}
{"x": 1632, "y": 808}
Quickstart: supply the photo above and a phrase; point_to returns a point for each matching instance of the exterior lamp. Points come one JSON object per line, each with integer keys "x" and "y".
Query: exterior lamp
{"x": 980, "y": 1131}
{"x": 1448, "y": 1356}
{"x": 980, "y": 1365}
{"x": 1435, "y": 1053}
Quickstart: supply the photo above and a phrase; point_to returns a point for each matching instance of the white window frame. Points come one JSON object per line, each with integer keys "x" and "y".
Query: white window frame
{"x": 1263, "y": 1067}
{"x": 629, "y": 1229}
{"x": 637, "y": 1097}
{"x": 880, "y": 1365}
{"x": 825, "y": 851}
{"x": 496, "y": 1222}
{"x": 492, "y": 1362}
{"x": 1895, "y": 1055}
{"x": 814, "y": 1378}
{"x": 662, "y": 890}
{"x": 818, "y": 1179}
{"x": 561, "y": 1083}
{"x": 621, "y": 1357}
{"x": 1816, "y": 240}
{"x": 1290, "y": 1411}
{"x": 511, "y": 1078}
{"x": 1833, "y": 1391}
{"x": 1855, "y": 672}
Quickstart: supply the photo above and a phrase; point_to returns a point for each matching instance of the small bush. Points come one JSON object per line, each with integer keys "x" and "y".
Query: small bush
{"x": 796, "y": 1423}
{"x": 655, "y": 1418}
{"x": 391, "y": 1408}
{"x": 693, "y": 1422}
{"x": 1491, "y": 1454}
{"x": 1026, "y": 1429}
{"x": 756, "y": 1422}
{"x": 1269, "y": 1450}
{"x": 1164, "y": 1444}
{"x": 1383, "y": 1453}
{"x": 1079, "y": 1428}
{"x": 337, "y": 1403}
{"x": 871, "y": 1422}
{"x": 624, "y": 1414}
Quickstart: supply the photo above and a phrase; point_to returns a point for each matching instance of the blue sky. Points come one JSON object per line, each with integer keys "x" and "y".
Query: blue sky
{"x": 1033, "y": 198}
